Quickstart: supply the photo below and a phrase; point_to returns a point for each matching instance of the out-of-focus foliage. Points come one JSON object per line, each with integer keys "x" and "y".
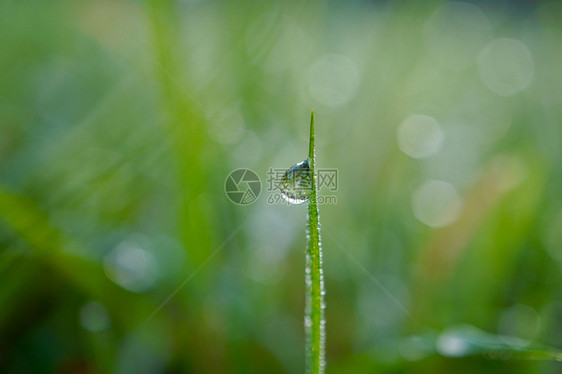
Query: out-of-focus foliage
{"x": 120, "y": 121}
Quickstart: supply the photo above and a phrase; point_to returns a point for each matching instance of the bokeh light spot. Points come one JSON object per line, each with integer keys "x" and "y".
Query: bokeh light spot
{"x": 131, "y": 267}
{"x": 94, "y": 317}
{"x": 436, "y": 203}
{"x": 450, "y": 344}
{"x": 419, "y": 136}
{"x": 333, "y": 80}
{"x": 506, "y": 66}
{"x": 455, "y": 33}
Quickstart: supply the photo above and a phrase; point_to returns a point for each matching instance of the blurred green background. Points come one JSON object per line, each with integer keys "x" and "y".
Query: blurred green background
{"x": 120, "y": 121}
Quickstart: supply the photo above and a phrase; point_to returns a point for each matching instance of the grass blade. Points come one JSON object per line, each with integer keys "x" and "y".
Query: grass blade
{"x": 315, "y": 323}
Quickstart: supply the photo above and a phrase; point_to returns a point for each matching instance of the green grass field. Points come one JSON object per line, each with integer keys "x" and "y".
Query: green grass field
{"x": 440, "y": 124}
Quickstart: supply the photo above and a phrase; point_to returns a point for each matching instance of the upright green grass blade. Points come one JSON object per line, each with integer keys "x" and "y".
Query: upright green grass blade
{"x": 314, "y": 320}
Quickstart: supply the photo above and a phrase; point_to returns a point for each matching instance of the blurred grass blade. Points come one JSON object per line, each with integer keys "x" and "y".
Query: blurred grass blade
{"x": 468, "y": 340}
{"x": 49, "y": 245}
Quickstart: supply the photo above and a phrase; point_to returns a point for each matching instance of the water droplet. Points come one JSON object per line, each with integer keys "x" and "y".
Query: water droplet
{"x": 296, "y": 183}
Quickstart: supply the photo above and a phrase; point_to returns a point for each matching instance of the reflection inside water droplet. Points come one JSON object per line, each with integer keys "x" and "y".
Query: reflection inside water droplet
{"x": 296, "y": 183}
